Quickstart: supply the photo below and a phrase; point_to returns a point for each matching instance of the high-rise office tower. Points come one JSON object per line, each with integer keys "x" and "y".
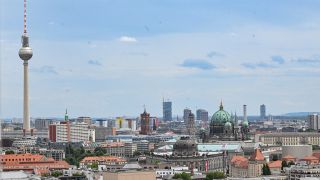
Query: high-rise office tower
{"x": 167, "y": 110}
{"x": 25, "y": 54}
{"x": 314, "y": 121}
{"x": 191, "y": 125}
{"x": 262, "y": 112}
{"x": 145, "y": 123}
{"x": 186, "y": 113}
{"x": 202, "y": 115}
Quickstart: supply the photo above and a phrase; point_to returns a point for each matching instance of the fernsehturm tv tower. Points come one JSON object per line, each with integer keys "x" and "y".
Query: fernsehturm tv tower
{"x": 25, "y": 54}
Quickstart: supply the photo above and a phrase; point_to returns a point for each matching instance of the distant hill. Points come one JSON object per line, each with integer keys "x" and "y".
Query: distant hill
{"x": 300, "y": 113}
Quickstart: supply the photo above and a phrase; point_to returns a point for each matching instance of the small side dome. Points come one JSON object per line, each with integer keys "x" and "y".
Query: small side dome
{"x": 245, "y": 124}
{"x": 228, "y": 125}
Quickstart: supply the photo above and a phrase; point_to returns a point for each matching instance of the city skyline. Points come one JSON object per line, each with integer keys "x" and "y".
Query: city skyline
{"x": 112, "y": 54}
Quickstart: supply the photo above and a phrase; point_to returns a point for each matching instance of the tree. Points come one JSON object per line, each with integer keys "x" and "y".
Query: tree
{"x": 9, "y": 152}
{"x": 215, "y": 175}
{"x": 99, "y": 151}
{"x": 78, "y": 174}
{"x": 56, "y": 173}
{"x": 94, "y": 165}
{"x": 183, "y": 176}
{"x": 266, "y": 170}
{"x": 291, "y": 163}
{"x": 137, "y": 153}
{"x": 284, "y": 164}
{"x": 45, "y": 175}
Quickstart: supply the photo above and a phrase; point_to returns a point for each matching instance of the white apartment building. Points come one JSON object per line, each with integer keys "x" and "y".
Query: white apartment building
{"x": 71, "y": 132}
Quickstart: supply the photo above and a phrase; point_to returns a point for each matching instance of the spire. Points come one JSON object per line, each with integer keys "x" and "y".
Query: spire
{"x": 144, "y": 107}
{"x": 221, "y": 105}
{"x": 66, "y": 118}
{"x": 25, "y": 18}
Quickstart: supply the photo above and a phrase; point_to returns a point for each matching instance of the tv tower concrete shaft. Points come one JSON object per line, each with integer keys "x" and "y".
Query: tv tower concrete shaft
{"x": 25, "y": 54}
{"x": 26, "y": 117}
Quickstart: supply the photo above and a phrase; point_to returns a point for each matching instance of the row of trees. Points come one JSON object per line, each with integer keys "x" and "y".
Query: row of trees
{"x": 75, "y": 155}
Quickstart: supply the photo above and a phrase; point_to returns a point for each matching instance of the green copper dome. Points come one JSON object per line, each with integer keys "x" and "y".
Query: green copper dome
{"x": 245, "y": 123}
{"x": 228, "y": 125}
{"x": 221, "y": 116}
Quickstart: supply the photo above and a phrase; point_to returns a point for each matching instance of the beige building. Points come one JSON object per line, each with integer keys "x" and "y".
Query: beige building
{"x": 130, "y": 175}
{"x": 115, "y": 148}
{"x": 242, "y": 167}
{"x": 289, "y": 138}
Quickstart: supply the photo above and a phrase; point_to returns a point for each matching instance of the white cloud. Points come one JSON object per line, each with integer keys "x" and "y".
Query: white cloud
{"x": 127, "y": 39}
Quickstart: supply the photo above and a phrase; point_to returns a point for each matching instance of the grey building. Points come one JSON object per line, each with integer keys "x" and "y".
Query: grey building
{"x": 202, "y": 115}
{"x": 101, "y": 133}
{"x": 263, "y": 112}
{"x": 314, "y": 121}
{"x": 167, "y": 110}
{"x": 130, "y": 148}
{"x": 87, "y": 120}
{"x": 42, "y": 124}
{"x": 143, "y": 146}
{"x": 186, "y": 113}
{"x": 56, "y": 154}
{"x": 297, "y": 151}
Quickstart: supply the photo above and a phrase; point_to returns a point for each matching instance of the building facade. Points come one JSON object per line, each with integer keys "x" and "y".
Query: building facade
{"x": 71, "y": 132}
{"x": 263, "y": 112}
{"x": 134, "y": 175}
{"x": 42, "y": 124}
{"x": 145, "y": 123}
{"x": 101, "y": 133}
{"x": 242, "y": 167}
{"x": 314, "y": 122}
{"x": 33, "y": 163}
{"x": 202, "y": 115}
{"x": 167, "y": 110}
{"x": 191, "y": 129}
{"x": 110, "y": 162}
{"x": 186, "y": 113}
{"x": 84, "y": 119}
{"x": 289, "y": 138}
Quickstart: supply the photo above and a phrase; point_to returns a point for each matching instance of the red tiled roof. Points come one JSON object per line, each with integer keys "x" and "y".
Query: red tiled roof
{"x": 257, "y": 155}
{"x": 31, "y": 162}
{"x": 288, "y": 157}
{"x": 239, "y": 161}
{"x": 275, "y": 164}
{"x": 103, "y": 158}
{"x": 309, "y": 158}
{"x": 316, "y": 154}
{"x": 22, "y": 157}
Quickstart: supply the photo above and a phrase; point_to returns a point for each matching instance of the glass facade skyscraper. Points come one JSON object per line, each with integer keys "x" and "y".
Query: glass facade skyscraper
{"x": 167, "y": 110}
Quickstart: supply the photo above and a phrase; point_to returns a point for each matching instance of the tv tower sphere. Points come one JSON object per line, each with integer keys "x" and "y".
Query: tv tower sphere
{"x": 25, "y": 52}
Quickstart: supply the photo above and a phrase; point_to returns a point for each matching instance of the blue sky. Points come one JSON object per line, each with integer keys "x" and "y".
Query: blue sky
{"x": 105, "y": 58}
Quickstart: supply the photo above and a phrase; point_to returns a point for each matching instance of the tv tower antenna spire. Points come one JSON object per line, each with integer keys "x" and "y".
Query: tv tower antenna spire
{"x": 25, "y": 18}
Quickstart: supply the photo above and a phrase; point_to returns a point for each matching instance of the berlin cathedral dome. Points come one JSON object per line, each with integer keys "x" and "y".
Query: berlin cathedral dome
{"x": 221, "y": 117}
